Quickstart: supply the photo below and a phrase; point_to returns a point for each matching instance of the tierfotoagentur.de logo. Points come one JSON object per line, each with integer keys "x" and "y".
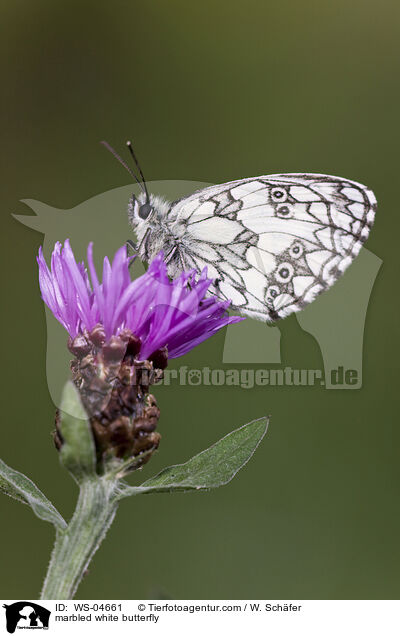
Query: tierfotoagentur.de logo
{"x": 26, "y": 615}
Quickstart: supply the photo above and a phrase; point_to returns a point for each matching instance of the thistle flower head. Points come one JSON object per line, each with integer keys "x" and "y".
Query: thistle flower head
{"x": 157, "y": 311}
{"x": 121, "y": 334}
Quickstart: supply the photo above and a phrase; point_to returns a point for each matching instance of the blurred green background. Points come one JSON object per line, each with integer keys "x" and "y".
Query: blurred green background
{"x": 211, "y": 92}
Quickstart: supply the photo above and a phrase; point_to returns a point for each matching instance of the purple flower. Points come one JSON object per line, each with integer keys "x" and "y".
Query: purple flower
{"x": 159, "y": 312}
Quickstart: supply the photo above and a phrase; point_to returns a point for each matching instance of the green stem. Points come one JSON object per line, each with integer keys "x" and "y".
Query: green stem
{"x": 75, "y": 546}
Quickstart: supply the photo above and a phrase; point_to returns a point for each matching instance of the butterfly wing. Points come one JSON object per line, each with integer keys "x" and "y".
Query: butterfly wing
{"x": 275, "y": 242}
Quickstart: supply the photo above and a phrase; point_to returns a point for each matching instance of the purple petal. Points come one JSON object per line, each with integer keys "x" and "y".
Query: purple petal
{"x": 176, "y": 314}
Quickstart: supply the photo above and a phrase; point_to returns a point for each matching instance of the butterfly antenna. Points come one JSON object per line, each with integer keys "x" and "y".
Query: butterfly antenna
{"x": 128, "y": 143}
{"x": 122, "y": 162}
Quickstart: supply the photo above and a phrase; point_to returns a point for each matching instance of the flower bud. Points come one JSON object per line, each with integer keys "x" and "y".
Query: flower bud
{"x": 97, "y": 336}
{"x": 79, "y": 346}
{"x": 160, "y": 358}
{"x": 114, "y": 389}
{"x": 114, "y": 349}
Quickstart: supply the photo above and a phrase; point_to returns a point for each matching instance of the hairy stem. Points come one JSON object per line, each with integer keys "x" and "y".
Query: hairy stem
{"x": 75, "y": 546}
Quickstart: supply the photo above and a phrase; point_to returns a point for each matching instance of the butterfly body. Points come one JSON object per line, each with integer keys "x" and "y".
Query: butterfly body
{"x": 273, "y": 243}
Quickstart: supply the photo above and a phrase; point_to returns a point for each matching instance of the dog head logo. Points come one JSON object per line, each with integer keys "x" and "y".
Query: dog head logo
{"x": 26, "y": 615}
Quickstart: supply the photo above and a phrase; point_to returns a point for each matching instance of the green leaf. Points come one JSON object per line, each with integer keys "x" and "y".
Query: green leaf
{"x": 78, "y": 451}
{"x": 118, "y": 468}
{"x": 213, "y": 467}
{"x": 22, "y": 489}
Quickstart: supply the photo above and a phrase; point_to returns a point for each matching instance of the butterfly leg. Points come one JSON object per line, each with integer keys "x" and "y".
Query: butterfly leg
{"x": 142, "y": 246}
{"x": 182, "y": 262}
{"x": 131, "y": 247}
{"x": 169, "y": 256}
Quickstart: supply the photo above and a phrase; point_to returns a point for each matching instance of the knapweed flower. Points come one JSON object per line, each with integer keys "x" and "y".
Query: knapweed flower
{"x": 121, "y": 333}
{"x": 159, "y": 312}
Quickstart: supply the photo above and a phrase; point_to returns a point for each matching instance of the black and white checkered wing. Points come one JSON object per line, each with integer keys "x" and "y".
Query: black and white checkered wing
{"x": 275, "y": 242}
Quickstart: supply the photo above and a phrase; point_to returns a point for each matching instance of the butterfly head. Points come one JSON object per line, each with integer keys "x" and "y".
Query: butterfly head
{"x": 147, "y": 218}
{"x": 140, "y": 209}
{"x": 147, "y": 211}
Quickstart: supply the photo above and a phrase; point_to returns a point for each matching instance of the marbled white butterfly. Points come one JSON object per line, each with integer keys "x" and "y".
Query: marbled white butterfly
{"x": 273, "y": 243}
